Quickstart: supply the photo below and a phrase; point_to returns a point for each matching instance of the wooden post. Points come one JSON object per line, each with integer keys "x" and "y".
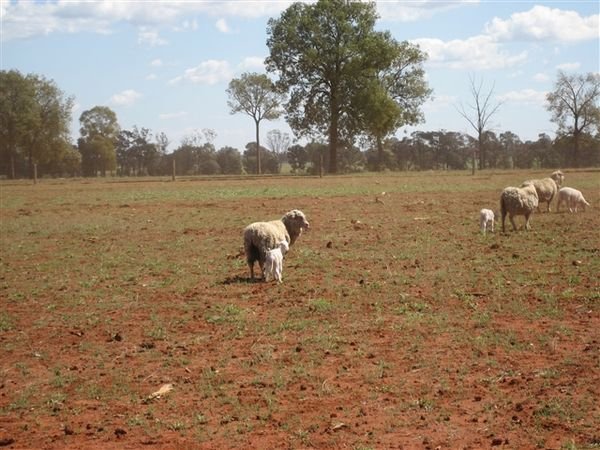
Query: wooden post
{"x": 34, "y": 173}
{"x": 173, "y": 173}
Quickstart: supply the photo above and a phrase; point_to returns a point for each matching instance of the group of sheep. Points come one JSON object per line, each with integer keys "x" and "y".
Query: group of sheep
{"x": 267, "y": 242}
{"x": 525, "y": 199}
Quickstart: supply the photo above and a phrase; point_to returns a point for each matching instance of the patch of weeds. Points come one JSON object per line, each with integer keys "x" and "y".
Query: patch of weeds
{"x": 178, "y": 425}
{"x": 23, "y": 400}
{"x": 320, "y": 305}
{"x": 226, "y": 314}
{"x": 22, "y": 367}
{"x": 425, "y": 404}
{"x": 481, "y": 319}
{"x": 56, "y": 402}
{"x": 137, "y": 421}
{"x": 158, "y": 331}
{"x": 6, "y": 322}
{"x": 549, "y": 306}
{"x": 467, "y": 298}
{"x": 558, "y": 409}
{"x": 60, "y": 379}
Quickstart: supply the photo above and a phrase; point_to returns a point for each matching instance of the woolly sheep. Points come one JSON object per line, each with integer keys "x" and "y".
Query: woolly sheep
{"x": 274, "y": 262}
{"x": 486, "y": 218}
{"x": 260, "y": 237}
{"x": 547, "y": 188}
{"x": 516, "y": 201}
{"x": 572, "y": 198}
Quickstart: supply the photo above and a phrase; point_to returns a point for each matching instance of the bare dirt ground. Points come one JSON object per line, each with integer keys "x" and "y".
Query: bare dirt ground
{"x": 398, "y": 325}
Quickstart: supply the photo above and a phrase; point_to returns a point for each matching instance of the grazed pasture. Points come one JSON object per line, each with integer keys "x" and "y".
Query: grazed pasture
{"x": 398, "y": 324}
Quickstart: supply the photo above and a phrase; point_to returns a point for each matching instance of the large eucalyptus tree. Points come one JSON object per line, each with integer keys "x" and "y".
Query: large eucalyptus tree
{"x": 328, "y": 58}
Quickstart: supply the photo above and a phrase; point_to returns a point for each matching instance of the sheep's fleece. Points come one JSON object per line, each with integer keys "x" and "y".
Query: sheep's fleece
{"x": 547, "y": 188}
{"x": 260, "y": 237}
{"x": 518, "y": 202}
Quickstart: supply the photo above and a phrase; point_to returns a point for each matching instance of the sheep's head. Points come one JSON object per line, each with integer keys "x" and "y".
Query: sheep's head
{"x": 283, "y": 246}
{"x": 558, "y": 177}
{"x": 295, "y": 222}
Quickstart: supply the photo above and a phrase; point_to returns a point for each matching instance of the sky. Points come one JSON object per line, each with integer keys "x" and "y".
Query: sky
{"x": 166, "y": 65}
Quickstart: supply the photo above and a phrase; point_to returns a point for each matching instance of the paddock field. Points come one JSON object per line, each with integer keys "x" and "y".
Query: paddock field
{"x": 398, "y": 325}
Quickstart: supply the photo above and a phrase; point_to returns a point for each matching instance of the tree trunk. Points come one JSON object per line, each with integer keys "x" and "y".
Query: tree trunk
{"x": 576, "y": 149}
{"x": 333, "y": 135}
{"x": 380, "y": 154}
{"x": 258, "y": 165}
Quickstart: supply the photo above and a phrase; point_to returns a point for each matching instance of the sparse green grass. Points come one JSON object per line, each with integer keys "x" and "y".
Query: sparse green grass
{"x": 391, "y": 317}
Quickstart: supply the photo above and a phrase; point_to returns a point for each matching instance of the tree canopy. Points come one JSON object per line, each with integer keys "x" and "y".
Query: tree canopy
{"x": 575, "y": 107}
{"x": 331, "y": 60}
{"x": 255, "y": 95}
{"x": 35, "y": 116}
{"x": 99, "y": 137}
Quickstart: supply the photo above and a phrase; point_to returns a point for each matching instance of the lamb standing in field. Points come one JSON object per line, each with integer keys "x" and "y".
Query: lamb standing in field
{"x": 572, "y": 198}
{"x": 274, "y": 262}
{"x": 260, "y": 237}
{"x": 516, "y": 201}
{"x": 547, "y": 188}
{"x": 486, "y": 218}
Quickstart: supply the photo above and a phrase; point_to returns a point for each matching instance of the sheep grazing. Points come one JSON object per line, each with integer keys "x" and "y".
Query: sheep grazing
{"x": 547, "y": 188}
{"x": 274, "y": 262}
{"x": 516, "y": 201}
{"x": 572, "y": 198}
{"x": 260, "y": 237}
{"x": 486, "y": 219}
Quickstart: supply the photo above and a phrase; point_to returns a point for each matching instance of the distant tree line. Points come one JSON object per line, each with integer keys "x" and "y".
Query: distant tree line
{"x": 34, "y": 133}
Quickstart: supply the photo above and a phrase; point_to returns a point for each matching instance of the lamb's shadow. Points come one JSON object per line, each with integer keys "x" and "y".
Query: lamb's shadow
{"x": 238, "y": 279}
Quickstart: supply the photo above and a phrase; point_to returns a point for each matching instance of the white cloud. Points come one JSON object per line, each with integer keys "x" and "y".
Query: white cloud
{"x": 541, "y": 23}
{"x": 125, "y": 98}
{"x": 524, "y": 96}
{"x": 475, "y": 53}
{"x": 150, "y": 37}
{"x": 174, "y": 115}
{"x": 568, "y": 67}
{"x": 417, "y": 9}
{"x": 541, "y": 77}
{"x": 252, "y": 63}
{"x": 207, "y": 72}
{"x": 151, "y": 76}
{"x": 222, "y": 26}
{"x": 187, "y": 25}
{"x": 23, "y": 19}
{"x": 156, "y": 62}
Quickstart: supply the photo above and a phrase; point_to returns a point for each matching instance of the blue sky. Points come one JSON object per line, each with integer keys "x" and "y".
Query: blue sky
{"x": 166, "y": 65}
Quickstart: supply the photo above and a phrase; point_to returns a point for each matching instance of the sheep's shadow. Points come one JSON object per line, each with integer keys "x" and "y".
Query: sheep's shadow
{"x": 238, "y": 279}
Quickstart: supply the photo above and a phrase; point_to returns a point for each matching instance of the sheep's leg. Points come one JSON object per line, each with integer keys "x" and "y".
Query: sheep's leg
{"x": 512, "y": 220}
{"x": 503, "y": 219}
{"x": 527, "y": 227}
{"x": 251, "y": 267}
{"x": 492, "y": 228}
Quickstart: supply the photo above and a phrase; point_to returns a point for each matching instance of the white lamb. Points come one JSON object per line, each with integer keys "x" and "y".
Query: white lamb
{"x": 274, "y": 262}
{"x": 572, "y": 198}
{"x": 486, "y": 219}
{"x": 516, "y": 201}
